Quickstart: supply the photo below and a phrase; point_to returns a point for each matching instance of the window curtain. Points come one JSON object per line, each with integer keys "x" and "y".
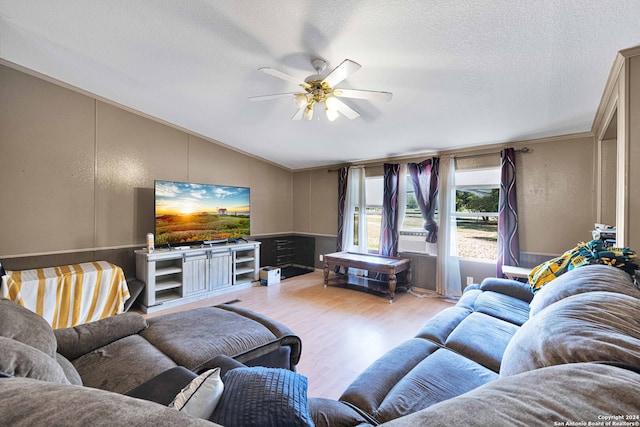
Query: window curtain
{"x": 448, "y": 280}
{"x": 390, "y": 212}
{"x": 508, "y": 240}
{"x": 355, "y": 218}
{"x": 425, "y": 177}
{"x": 342, "y": 194}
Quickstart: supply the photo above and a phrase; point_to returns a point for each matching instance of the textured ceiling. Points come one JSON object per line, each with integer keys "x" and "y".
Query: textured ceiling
{"x": 463, "y": 73}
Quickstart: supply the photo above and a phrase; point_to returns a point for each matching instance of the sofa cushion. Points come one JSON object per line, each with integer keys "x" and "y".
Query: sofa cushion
{"x": 512, "y": 288}
{"x": 122, "y": 365}
{"x": 482, "y": 339}
{"x": 82, "y": 339}
{"x": 440, "y": 376}
{"x": 371, "y": 387}
{"x": 502, "y": 306}
{"x": 263, "y": 397}
{"x": 593, "y": 326}
{"x": 469, "y": 295}
{"x": 194, "y": 336}
{"x": 580, "y": 393}
{"x": 27, "y": 402}
{"x": 21, "y": 360}
{"x": 440, "y": 326}
{"x": 331, "y": 413}
{"x": 20, "y": 324}
{"x": 588, "y": 278}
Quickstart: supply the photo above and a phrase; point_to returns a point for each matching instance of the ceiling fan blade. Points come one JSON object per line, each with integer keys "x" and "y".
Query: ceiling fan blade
{"x": 345, "y": 110}
{"x": 341, "y": 72}
{"x": 283, "y": 76}
{"x": 299, "y": 113}
{"x": 274, "y": 96}
{"x": 371, "y": 95}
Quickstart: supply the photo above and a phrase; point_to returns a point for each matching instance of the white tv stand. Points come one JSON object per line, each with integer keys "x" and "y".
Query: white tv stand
{"x": 178, "y": 276}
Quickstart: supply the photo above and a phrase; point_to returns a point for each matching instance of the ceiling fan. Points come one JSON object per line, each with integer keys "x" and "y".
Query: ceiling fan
{"x": 318, "y": 89}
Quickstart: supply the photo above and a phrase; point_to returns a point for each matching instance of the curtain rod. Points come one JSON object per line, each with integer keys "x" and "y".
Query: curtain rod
{"x": 523, "y": 150}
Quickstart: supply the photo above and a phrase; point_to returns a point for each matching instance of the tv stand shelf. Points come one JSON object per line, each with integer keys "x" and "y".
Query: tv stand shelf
{"x": 167, "y": 271}
{"x": 174, "y": 277}
{"x": 170, "y": 284}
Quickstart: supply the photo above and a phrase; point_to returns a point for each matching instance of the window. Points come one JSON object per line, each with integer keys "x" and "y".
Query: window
{"x": 374, "y": 198}
{"x": 477, "y": 194}
{"x": 477, "y": 198}
{"x": 412, "y": 233}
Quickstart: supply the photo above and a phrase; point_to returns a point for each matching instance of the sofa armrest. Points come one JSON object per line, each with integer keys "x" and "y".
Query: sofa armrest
{"x": 224, "y": 362}
{"x": 164, "y": 387}
{"x": 82, "y": 339}
{"x": 278, "y": 329}
{"x": 286, "y": 337}
{"x": 283, "y": 352}
{"x": 513, "y": 288}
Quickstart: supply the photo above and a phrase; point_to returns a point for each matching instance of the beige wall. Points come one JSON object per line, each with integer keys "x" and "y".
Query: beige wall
{"x": 556, "y": 195}
{"x": 78, "y": 173}
{"x": 315, "y": 200}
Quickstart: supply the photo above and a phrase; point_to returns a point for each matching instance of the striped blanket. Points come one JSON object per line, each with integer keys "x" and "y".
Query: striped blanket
{"x": 69, "y": 295}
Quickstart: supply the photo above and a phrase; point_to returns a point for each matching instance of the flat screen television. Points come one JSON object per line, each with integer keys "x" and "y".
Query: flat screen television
{"x": 190, "y": 213}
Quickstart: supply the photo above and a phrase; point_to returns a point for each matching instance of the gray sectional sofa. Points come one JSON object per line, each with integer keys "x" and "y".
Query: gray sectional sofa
{"x": 523, "y": 352}
{"x": 500, "y": 356}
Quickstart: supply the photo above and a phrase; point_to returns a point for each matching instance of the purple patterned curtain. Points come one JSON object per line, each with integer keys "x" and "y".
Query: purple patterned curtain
{"x": 508, "y": 241}
{"x": 342, "y": 192}
{"x": 389, "y": 227}
{"x": 424, "y": 177}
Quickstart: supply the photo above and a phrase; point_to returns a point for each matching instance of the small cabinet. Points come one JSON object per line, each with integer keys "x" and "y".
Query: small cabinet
{"x": 284, "y": 251}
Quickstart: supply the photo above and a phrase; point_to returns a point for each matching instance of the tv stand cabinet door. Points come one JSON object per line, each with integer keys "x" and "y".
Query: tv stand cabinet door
{"x": 219, "y": 270}
{"x": 194, "y": 274}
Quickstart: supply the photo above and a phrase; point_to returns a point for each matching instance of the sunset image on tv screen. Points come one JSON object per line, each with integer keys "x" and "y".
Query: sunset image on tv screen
{"x": 187, "y": 212}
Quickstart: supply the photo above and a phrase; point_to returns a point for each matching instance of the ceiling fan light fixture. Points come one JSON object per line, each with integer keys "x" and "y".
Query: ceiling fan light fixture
{"x": 300, "y": 100}
{"x": 308, "y": 112}
{"x": 331, "y": 103}
{"x": 331, "y": 114}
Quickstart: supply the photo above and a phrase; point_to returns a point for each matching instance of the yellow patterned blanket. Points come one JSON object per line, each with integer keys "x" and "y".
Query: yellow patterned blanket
{"x": 69, "y": 295}
{"x": 593, "y": 252}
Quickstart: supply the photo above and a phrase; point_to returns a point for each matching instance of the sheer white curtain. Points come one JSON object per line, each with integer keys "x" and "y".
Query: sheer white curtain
{"x": 448, "y": 280}
{"x": 355, "y": 207}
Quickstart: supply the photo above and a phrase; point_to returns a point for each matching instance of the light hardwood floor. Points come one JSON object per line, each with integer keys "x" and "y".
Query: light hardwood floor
{"x": 342, "y": 330}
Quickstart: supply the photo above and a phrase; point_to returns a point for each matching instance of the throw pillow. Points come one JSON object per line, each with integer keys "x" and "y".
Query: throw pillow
{"x": 263, "y": 397}
{"x": 200, "y": 397}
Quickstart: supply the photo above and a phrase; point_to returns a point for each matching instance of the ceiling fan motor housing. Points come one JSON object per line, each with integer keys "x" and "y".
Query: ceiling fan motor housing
{"x": 318, "y": 90}
{"x": 319, "y": 65}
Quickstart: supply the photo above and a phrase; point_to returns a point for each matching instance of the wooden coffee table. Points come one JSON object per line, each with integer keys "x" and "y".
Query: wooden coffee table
{"x": 390, "y": 266}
